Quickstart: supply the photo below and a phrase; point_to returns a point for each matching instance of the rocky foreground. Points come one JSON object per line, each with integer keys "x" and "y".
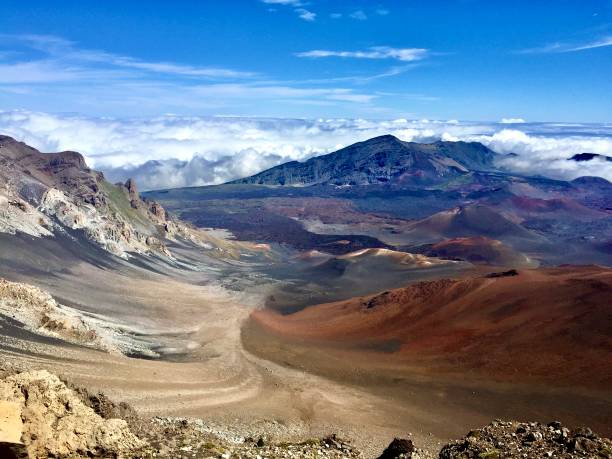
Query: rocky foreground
{"x": 42, "y": 416}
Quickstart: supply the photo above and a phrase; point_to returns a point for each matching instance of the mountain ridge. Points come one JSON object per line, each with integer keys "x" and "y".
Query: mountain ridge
{"x": 581, "y": 157}
{"x": 383, "y": 159}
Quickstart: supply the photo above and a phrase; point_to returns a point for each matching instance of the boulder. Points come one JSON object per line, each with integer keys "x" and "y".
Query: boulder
{"x": 398, "y": 448}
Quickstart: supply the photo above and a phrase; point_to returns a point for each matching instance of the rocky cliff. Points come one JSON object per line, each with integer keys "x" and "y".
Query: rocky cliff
{"x": 42, "y": 194}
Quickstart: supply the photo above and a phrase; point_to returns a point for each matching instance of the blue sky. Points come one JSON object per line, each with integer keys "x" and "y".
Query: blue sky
{"x": 467, "y": 59}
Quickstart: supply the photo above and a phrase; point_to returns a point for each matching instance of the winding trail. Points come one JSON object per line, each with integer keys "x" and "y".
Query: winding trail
{"x": 205, "y": 372}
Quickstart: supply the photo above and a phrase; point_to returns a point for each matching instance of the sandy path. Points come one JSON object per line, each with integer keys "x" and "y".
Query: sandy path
{"x": 207, "y": 372}
{"x": 213, "y": 377}
{"x": 248, "y": 397}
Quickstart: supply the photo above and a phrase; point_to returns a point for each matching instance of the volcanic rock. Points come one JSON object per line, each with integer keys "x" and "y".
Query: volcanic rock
{"x": 512, "y": 439}
{"x": 398, "y": 448}
{"x": 56, "y": 423}
{"x": 381, "y": 160}
{"x": 43, "y": 193}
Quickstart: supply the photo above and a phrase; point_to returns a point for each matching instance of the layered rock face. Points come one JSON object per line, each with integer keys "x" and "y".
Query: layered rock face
{"x": 42, "y": 194}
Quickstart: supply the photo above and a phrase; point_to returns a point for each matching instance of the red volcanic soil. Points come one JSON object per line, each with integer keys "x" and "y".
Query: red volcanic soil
{"x": 479, "y": 249}
{"x": 548, "y": 325}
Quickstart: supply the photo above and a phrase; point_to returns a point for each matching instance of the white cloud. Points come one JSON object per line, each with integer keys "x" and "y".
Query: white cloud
{"x": 512, "y": 120}
{"x": 359, "y": 15}
{"x": 175, "y": 69}
{"x": 298, "y": 6}
{"x": 601, "y": 43}
{"x": 64, "y": 59}
{"x": 198, "y": 171}
{"x": 37, "y": 72}
{"x": 272, "y": 92}
{"x": 142, "y": 98}
{"x": 548, "y": 155}
{"x": 283, "y": 2}
{"x": 108, "y": 83}
{"x": 376, "y": 52}
{"x": 559, "y": 47}
{"x": 306, "y": 15}
{"x": 204, "y": 150}
{"x": 382, "y": 11}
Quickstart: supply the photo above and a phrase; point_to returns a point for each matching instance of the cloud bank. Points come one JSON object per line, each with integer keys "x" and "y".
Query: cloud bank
{"x": 173, "y": 151}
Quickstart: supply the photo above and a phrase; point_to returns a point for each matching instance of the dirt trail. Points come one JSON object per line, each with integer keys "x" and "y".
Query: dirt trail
{"x": 206, "y": 371}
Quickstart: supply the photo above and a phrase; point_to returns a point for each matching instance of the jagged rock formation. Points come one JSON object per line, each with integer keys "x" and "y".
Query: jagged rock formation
{"x": 384, "y": 159}
{"x": 43, "y": 193}
{"x": 133, "y": 195}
